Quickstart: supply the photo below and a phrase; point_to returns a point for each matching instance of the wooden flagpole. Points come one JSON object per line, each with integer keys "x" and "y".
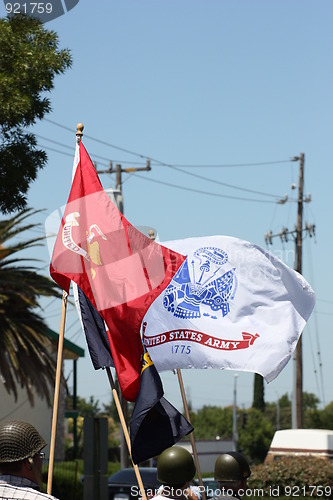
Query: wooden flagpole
{"x": 125, "y": 431}
{"x": 187, "y": 415}
{"x": 57, "y": 391}
{"x": 152, "y": 236}
{"x": 79, "y": 133}
{"x": 79, "y": 129}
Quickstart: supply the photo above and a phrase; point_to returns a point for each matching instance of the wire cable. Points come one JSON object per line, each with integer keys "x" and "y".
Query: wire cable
{"x": 192, "y": 189}
{"x": 157, "y": 161}
{"x": 71, "y": 148}
{"x": 316, "y": 326}
{"x": 17, "y": 407}
{"x": 214, "y": 181}
{"x": 154, "y": 160}
{"x": 231, "y": 165}
{"x": 200, "y": 191}
{"x": 314, "y": 362}
{"x": 124, "y": 150}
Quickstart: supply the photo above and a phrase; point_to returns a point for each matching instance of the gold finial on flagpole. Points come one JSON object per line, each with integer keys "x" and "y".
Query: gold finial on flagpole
{"x": 151, "y": 234}
{"x": 79, "y": 131}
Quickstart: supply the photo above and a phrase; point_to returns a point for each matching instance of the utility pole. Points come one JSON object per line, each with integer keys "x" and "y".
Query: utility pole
{"x": 234, "y": 419}
{"x": 124, "y": 456}
{"x": 297, "y": 233}
{"x": 299, "y": 240}
{"x": 278, "y": 414}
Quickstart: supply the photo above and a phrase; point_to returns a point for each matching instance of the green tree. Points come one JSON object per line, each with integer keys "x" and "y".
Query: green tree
{"x": 111, "y": 409}
{"x": 327, "y": 416}
{"x": 256, "y": 436}
{"x": 88, "y": 409}
{"x": 258, "y": 392}
{"x": 29, "y": 60}
{"x": 285, "y": 412}
{"x": 24, "y": 356}
{"x": 212, "y": 421}
{"x": 312, "y": 416}
{"x": 279, "y": 413}
{"x": 310, "y": 401}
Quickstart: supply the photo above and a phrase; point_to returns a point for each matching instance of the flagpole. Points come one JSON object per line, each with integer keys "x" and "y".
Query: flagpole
{"x": 79, "y": 134}
{"x": 125, "y": 431}
{"x": 57, "y": 391}
{"x": 187, "y": 415}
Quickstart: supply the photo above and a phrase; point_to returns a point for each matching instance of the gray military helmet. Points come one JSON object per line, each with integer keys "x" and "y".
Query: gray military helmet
{"x": 19, "y": 440}
{"x": 231, "y": 466}
{"x": 175, "y": 465}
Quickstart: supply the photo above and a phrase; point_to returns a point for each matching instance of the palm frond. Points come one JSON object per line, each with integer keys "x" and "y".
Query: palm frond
{"x": 26, "y": 357}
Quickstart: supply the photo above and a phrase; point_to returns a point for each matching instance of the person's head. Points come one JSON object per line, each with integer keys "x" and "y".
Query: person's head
{"x": 175, "y": 468}
{"x": 232, "y": 471}
{"x": 20, "y": 450}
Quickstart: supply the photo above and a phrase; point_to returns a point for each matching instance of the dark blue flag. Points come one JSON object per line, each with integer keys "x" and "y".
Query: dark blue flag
{"x": 95, "y": 331}
{"x": 155, "y": 424}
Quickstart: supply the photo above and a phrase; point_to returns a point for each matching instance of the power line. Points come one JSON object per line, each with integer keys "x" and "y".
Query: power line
{"x": 72, "y": 149}
{"x": 54, "y": 142}
{"x": 154, "y": 160}
{"x": 124, "y": 150}
{"x": 224, "y": 183}
{"x": 174, "y": 167}
{"x": 316, "y": 327}
{"x": 49, "y": 148}
{"x": 214, "y": 181}
{"x": 231, "y": 165}
{"x": 323, "y": 300}
{"x": 199, "y": 191}
{"x": 315, "y": 368}
{"x": 17, "y": 407}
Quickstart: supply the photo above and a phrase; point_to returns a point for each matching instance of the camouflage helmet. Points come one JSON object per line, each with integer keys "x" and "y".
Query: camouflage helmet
{"x": 175, "y": 465}
{"x": 231, "y": 466}
{"x": 19, "y": 440}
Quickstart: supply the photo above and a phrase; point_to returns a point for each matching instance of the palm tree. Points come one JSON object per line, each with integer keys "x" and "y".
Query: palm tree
{"x": 25, "y": 359}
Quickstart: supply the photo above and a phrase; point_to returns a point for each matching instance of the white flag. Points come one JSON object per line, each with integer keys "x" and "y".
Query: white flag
{"x": 232, "y": 305}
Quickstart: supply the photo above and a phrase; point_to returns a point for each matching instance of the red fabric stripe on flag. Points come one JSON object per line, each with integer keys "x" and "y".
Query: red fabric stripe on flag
{"x": 119, "y": 269}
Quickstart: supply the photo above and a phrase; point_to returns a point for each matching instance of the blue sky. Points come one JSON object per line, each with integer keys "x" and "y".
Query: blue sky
{"x": 226, "y": 90}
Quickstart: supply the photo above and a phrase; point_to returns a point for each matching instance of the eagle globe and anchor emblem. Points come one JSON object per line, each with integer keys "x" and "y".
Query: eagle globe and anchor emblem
{"x": 201, "y": 288}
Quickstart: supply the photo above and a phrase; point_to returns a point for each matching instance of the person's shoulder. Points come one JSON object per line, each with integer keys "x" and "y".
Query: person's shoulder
{"x": 47, "y": 495}
{"x": 29, "y": 493}
{"x": 40, "y": 495}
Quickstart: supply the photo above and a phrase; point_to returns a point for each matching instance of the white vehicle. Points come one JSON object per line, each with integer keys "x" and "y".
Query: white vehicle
{"x": 301, "y": 442}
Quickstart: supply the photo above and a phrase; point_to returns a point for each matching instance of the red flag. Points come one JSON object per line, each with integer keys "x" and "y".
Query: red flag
{"x": 119, "y": 269}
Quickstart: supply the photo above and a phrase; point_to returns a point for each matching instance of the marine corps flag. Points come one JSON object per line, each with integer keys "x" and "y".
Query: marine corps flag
{"x": 155, "y": 424}
{"x": 119, "y": 269}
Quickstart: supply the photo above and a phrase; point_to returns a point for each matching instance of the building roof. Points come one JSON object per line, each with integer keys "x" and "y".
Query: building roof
{"x": 71, "y": 350}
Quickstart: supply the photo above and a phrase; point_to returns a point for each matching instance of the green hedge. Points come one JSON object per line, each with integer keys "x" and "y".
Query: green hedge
{"x": 66, "y": 480}
{"x": 294, "y": 477}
